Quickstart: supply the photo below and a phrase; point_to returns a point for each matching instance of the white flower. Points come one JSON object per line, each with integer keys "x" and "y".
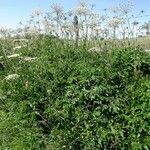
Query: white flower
{"x": 147, "y": 50}
{"x": 13, "y": 56}
{"x": 12, "y": 77}
{"x": 81, "y": 9}
{"x": 58, "y": 9}
{"x": 32, "y": 31}
{"x": 95, "y": 49}
{"x": 45, "y": 22}
{"x": 94, "y": 21}
{"x": 37, "y": 12}
{"x": 126, "y": 8}
{"x": 115, "y": 22}
{"x": 29, "y": 59}
{"x": 65, "y": 26}
{"x": 17, "y": 47}
{"x": 97, "y": 28}
{"x": 47, "y": 25}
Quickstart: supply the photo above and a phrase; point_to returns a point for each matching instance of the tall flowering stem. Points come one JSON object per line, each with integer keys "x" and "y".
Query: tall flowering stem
{"x": 76, "y": 28}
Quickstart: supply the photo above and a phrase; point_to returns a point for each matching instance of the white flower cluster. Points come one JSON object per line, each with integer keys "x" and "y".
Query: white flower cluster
{"x": 32, "y": 31}
{"x": 81, "y": 9}
{"x": 58, "y": 9}
{"x": 13, "y": 56}
{"x": 115, "y": 22}
{"x": 24, "y": 58}
{"x": 95, "y": 49}
{"x": 36, "y": 12}
{"x": 12, "y": 77}
{"x": 29, "y": 58}
{"x": 94, "y": 21}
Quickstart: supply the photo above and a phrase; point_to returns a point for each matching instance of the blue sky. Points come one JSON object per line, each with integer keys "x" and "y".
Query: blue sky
{"x": 13, "y": 11}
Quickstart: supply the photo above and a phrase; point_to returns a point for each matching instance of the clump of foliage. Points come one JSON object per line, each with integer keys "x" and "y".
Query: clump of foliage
{"x": 73, "y": 99}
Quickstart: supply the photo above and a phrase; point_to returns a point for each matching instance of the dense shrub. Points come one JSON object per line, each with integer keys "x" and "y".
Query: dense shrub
{"x": 73, "y": 99}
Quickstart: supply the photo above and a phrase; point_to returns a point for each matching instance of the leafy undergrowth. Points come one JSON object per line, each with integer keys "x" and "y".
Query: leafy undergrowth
{"x": 72, "y": 99}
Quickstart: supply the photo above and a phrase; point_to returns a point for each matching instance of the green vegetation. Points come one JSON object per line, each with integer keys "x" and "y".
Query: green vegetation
{"x": 72, "y": 99}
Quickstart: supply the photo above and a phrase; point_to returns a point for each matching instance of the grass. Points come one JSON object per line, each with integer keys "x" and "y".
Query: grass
{"x": 72, "y": 99}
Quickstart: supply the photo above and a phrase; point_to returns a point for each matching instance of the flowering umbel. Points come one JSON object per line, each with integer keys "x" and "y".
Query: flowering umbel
{"x": 115, "y": 22}
{"x": 36, "y": 12}
{"x": 57, "y": 9}
{"x": 81, "y": 8}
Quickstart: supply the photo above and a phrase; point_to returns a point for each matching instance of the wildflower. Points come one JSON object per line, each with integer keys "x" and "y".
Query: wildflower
{"x": 147, "y": 50}
{"x": 26, "y": 85}
{"x": 95, "y": 49}
{"x": 18, "y": 30}
{"x": 45, "y": 22}
{"x": 105, "y": 31}
{"x": 97, "y": 28}
{"x": 5, "y": 32}
{"x": 58, "y": 9}
{"x": 36, "y": 12}
{"x": 125, "y": 9}
{"x": 81, "y": 9}
{"x": 13, "y": 56}
{"x": 115, "y": 22}
{"x": 103, "y": 18}
{"x": 12, "y": 77}
{"x": 49, "y": 91}
{"x": 17, "y": 47}
{"x": 32, "y": 31}
{"x": 26, "y": 28}
{"x": 29, "y": 59}
{"x": 65, "y": 26}
{"x": 94, "y": 21}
